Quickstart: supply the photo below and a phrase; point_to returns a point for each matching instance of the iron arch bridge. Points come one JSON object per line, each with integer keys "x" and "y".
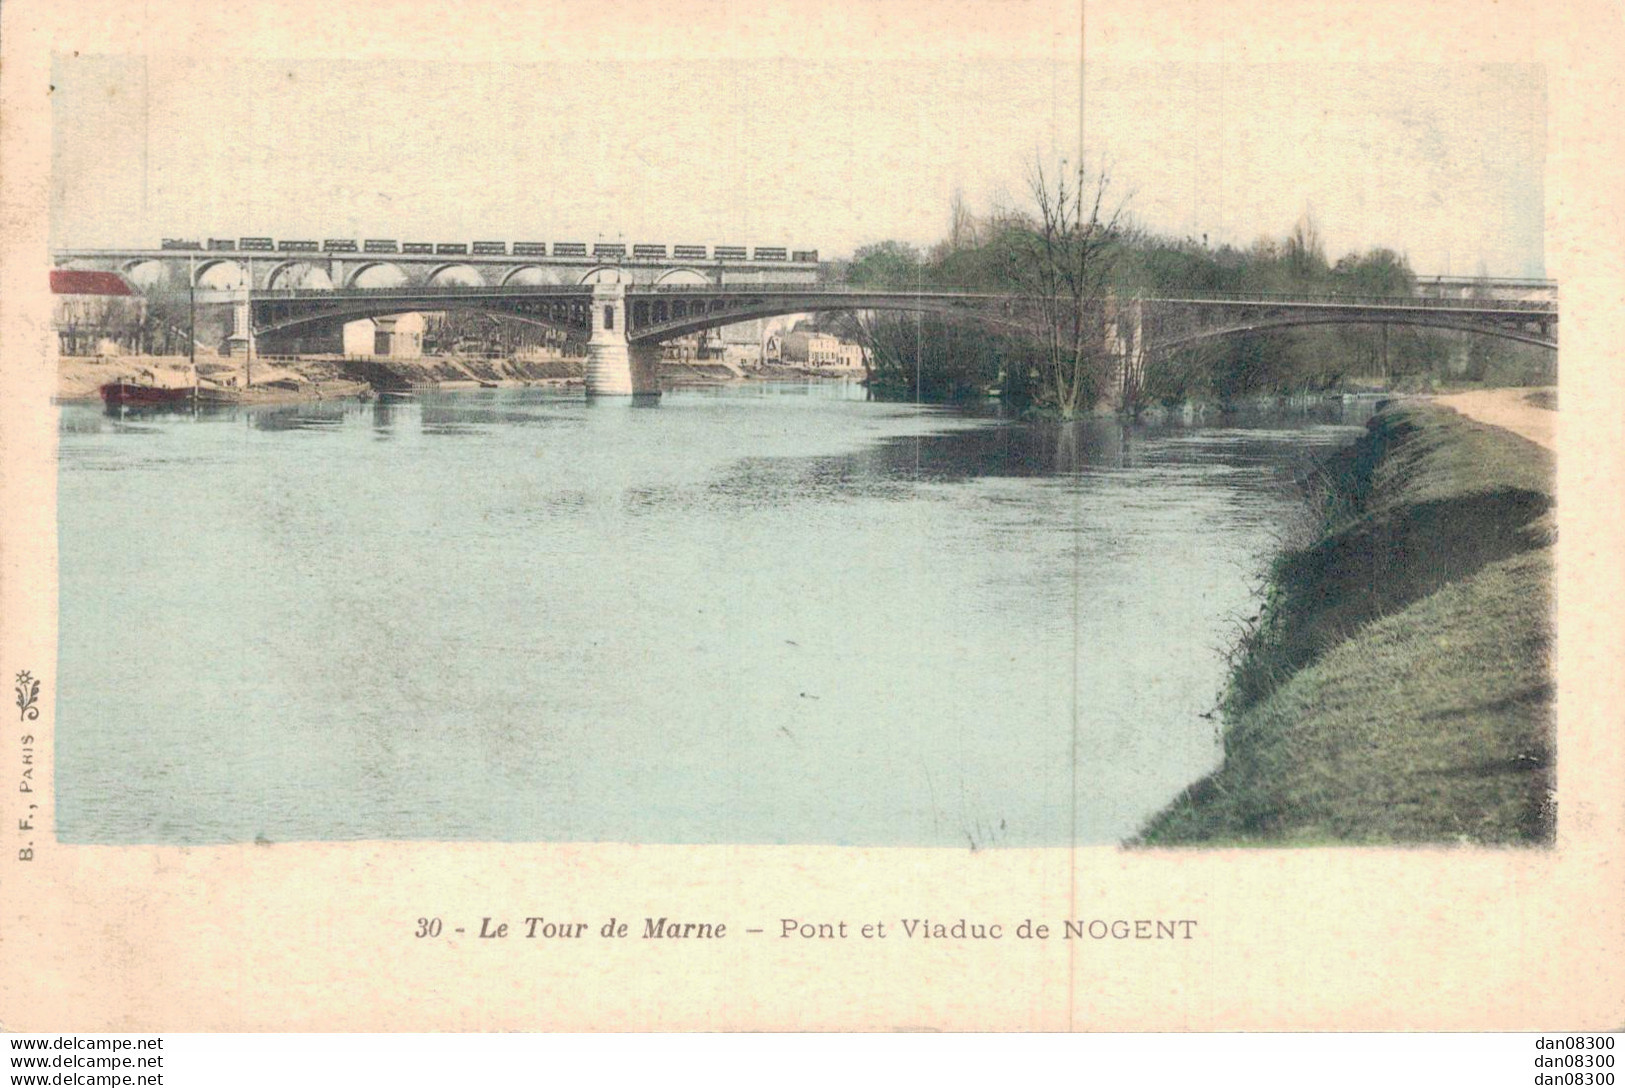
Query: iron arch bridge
{"x": 278, "y": 312}
{"x": 624, "y": 323}
{"x": 661, "y": 312}
{"x": 655, "y": 313}
{"x": 1171, "y": 323}
{"x": 666, "y": 311}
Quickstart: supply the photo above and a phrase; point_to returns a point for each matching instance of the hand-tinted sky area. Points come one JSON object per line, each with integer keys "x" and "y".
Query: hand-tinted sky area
{"x": 1444, "y": 163}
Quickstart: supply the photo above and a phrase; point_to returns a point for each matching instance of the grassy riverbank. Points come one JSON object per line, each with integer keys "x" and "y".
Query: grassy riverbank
{"x": 1395, "y": 686}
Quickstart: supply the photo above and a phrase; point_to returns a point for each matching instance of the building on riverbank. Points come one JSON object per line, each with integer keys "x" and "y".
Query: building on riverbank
{"x": 96, "y": 313}
{"x": 819, "y": 349}
{"x": 703, "y": 346}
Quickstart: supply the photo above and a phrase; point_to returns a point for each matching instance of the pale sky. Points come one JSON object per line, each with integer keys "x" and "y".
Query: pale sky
{"x": 1444, "y": 163}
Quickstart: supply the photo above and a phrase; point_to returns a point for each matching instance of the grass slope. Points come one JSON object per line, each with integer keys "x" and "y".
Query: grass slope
{"x": 1395, "y": 688}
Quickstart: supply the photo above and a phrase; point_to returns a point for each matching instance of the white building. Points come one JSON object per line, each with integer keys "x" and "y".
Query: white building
{"x": 399, "y": 336}
{"x": 820, "y": 350}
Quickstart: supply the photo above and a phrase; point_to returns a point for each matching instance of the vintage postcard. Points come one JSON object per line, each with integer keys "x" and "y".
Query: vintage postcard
{"x": 810, "y": 515}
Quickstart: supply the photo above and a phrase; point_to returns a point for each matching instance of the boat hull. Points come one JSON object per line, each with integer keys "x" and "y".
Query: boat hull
{"x": 127, "y": 393}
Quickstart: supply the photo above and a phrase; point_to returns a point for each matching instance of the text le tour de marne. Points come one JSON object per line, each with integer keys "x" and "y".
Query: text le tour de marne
{"x": 663, "y": 928}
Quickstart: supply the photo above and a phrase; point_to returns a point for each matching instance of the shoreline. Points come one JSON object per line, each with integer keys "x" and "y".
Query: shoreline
{"x": 1395, "y": 686}
{"x": 358, "y": 392}
{"x": 281, "y": 381}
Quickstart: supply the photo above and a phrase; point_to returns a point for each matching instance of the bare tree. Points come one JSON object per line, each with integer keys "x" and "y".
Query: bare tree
{"x": 963, "y": 230}
{"x": 1062, "y": 266}
{"x": 1305, "y": 251}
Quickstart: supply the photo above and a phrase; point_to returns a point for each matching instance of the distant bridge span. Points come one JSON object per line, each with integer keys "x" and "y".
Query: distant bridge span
{"x": 1162, "y": 323}
{"x": 273, "y": 312}
{"x": 657, "y": 313}
{"x": 1180, "y": 322}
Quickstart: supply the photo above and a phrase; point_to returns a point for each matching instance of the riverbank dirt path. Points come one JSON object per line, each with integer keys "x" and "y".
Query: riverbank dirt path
{"x": 1510, "y": 409}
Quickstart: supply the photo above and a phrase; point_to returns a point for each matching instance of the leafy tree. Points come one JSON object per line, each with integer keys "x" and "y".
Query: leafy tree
{"x": 885, "y": 264}
{"x": 1375, "y": 272}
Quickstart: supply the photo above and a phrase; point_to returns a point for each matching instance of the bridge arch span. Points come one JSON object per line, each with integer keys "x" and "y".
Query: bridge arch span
{"x": 605, "y": 273}
{"x": 529, "y": 275}
{"x": 710, "y": 318}
{"x": 1271, "y": 324}
{"x": 683, "y": 275}
{"x": 220, "y": 274}
{"x": 343, "y": 312}
{"x": 454, "y": 274}
{"x": 304, "y": 274}
{"x": 146, "y": 272}
{"x": 376, "y": 274}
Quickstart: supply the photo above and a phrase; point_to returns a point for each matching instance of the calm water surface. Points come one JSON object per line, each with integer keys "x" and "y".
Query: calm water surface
{"x": 770, "y": 614}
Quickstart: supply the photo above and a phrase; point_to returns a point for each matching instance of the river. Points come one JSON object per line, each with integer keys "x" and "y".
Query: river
{"x": 758, "y": 614}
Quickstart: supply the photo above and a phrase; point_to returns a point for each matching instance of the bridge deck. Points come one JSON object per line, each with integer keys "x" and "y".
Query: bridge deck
{"x": 659, "y": 312}
{"x": 838, "y": 291}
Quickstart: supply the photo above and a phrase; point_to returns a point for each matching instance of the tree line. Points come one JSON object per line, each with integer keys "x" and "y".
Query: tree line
{"x": 1074, "y": 257}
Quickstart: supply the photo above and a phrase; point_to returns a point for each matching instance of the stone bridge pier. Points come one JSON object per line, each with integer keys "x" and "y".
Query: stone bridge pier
{"x": 615, "y": 366}
{"x": 1125, "y": 344}
{"x": 241, "y": 340}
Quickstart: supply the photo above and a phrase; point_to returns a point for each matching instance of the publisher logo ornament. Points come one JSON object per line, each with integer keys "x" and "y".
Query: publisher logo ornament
{"x": 27, "y": 696}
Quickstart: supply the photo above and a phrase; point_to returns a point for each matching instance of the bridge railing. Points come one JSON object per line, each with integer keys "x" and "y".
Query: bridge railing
{"x": 1284, "y": 298}
{"x": 1516, "y": 282}
{"x": 585, "y": 290}
{"x": 1246, "y": 297}
{"x": 811, "y": 289}
{"x": 1407, "y": 302}
{"x": 449, "y": 289}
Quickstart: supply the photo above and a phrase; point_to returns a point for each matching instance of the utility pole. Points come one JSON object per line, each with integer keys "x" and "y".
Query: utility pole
{"x": 191, "y": 320}
{"x": 919, "y": 339}
{"x": 248, "y": 331}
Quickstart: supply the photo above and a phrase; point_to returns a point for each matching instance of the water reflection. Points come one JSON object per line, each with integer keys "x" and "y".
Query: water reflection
{"x": 759, "y": 614}
{"x": 383, "y": 416}
{"x": 301, "y": 417}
